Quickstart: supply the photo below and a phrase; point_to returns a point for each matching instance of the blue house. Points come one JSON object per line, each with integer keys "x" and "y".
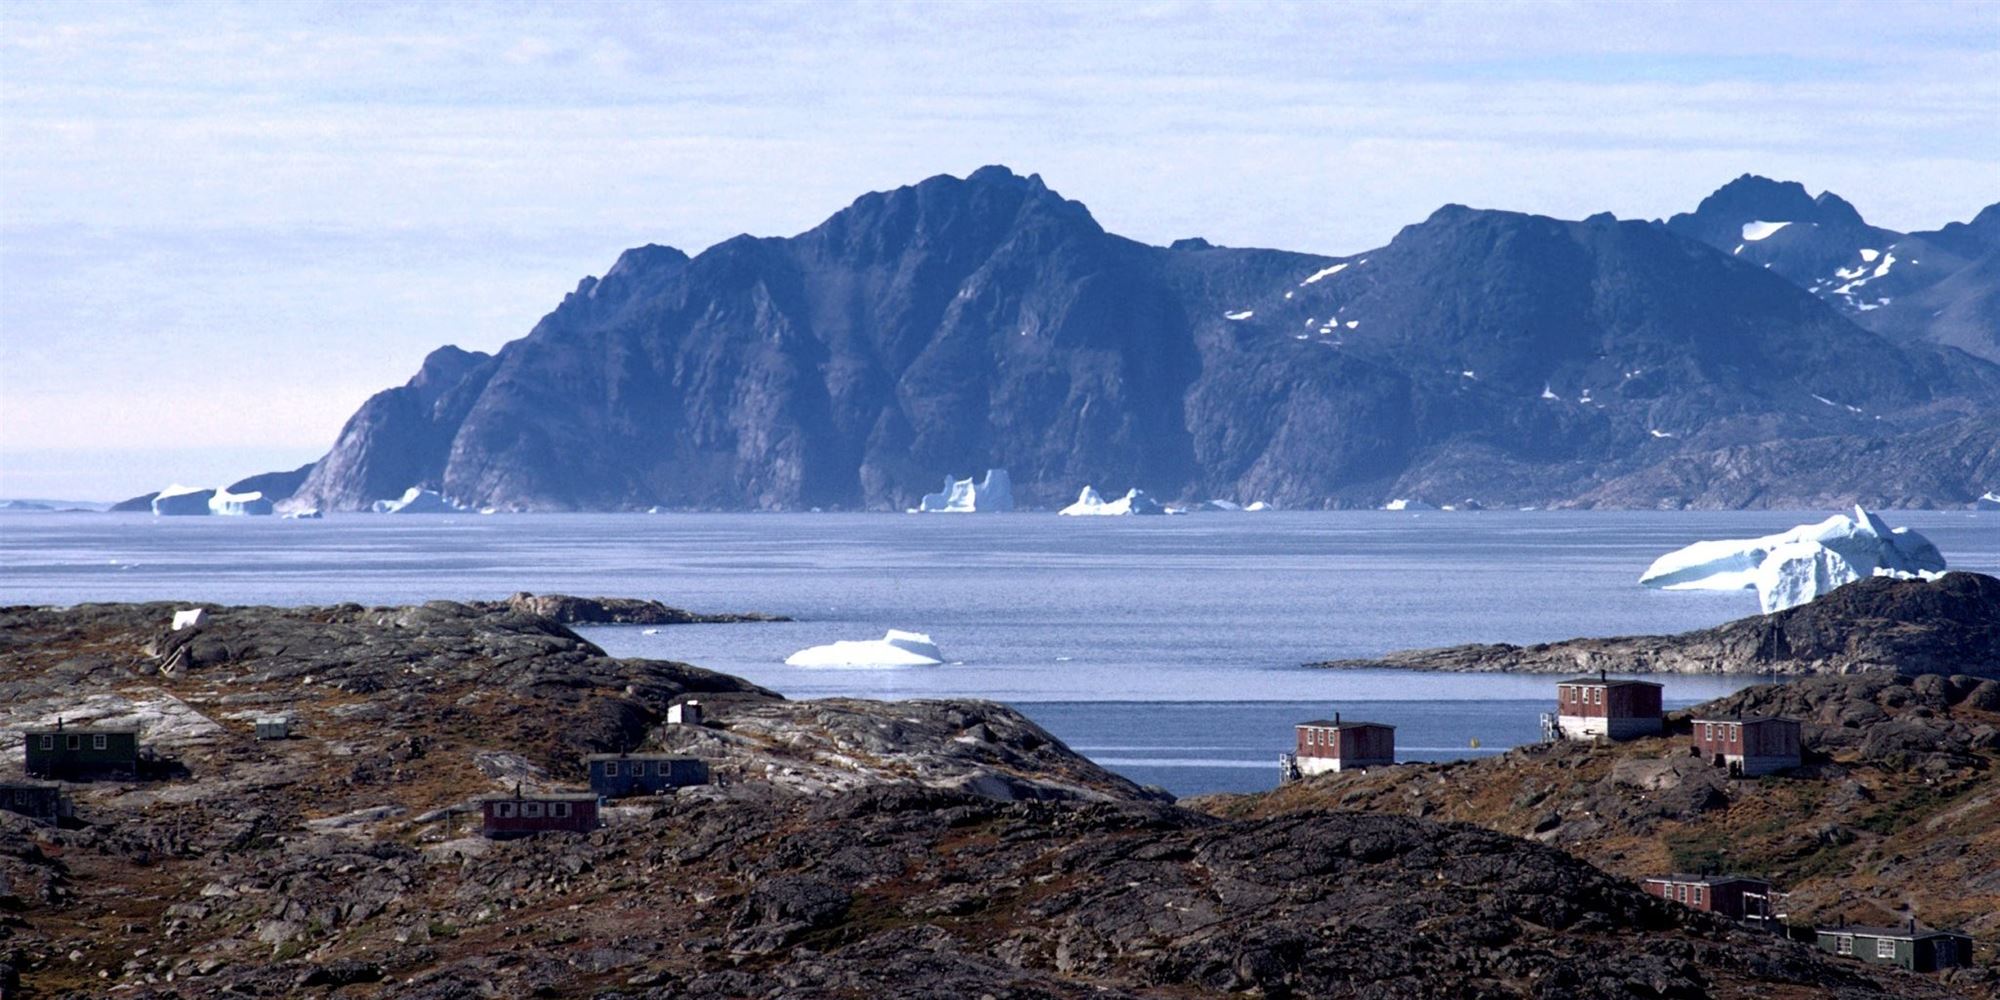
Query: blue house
{"x": 614, "y": 775}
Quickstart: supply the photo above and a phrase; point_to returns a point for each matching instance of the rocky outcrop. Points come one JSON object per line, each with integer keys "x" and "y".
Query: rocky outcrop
{"x": 987, "y": 321}
{"x": 616, "y": 611}
{"x": 1947, "y": 626}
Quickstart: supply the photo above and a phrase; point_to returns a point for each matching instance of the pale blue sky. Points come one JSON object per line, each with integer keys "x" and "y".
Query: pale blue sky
{"x": 223, "y": 226}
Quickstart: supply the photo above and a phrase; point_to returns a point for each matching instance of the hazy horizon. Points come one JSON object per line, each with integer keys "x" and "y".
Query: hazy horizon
{"x": 223, "y": 226}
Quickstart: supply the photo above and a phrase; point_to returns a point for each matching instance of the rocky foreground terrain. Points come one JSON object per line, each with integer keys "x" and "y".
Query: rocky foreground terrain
{"x": 947, "y": 849}
{"x": 1951, "y": 625}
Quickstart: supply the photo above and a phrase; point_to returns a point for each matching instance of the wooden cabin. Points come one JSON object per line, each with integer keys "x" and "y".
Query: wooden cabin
{"x": 80, "y": 753}
{"x": 505, "y": 817}
{"x": 1737, "y": 896}
{"x": 615, "y": 775}
{"x": 35, "y": 800}
{"x": 1905, "y": 947}
{"x": 1592, "y": 707}
{"x": 687, "y": 713}
{"x": 1332, "y": 745}
{"x": 1748, "y": 745}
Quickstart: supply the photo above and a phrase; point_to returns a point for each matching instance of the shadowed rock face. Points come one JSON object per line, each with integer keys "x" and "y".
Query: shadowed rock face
{"x": 987, "y": 322}
{"x": 1947, "y": 626}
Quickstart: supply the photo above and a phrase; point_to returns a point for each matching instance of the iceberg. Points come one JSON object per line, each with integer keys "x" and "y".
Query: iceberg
{"x": 1406, "y": 504}
{"x": 1793, "y": 567}
{"x": 182, "y": 501}
{"x": 416, "y": 500}
{"x": 896, "y": 648}
{"x": 307, "y": 514}
{"x": 963, "y": 496}
{"x": 1987, "y": 501}
{"x": 245, "y": 504}
{"x": 1090, "y": 503}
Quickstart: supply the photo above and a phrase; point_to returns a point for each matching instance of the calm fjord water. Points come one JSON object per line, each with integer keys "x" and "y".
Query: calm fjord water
{"x": 1166, "y": 648}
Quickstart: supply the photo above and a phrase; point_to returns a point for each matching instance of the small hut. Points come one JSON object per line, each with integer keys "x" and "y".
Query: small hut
{"x": 1333, "y": 745}
{"x": 1748, "y": 745}
{"x": 1590, "y": 707}
{"x": 615, "y": 775}
{"x": 505, "y": 817}
{"x": 81, "y": 753}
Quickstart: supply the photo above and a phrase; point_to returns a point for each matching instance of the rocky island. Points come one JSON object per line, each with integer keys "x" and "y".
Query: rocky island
{"x": 940, "y": 848}
{"x": 1949, "y": 625}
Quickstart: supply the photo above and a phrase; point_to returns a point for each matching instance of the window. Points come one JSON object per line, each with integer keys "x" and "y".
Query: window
{"x": 1697, "y": 895}
{"x": 1708, "y": 730}
{"x": 559, "y": 809}
{"x": 1843, "y": 944}
{"x": 1735, "y": 732}
{"x": 611, "y": 769}
{"x": 1597, "y": 696}
{"x": 503, "y": 810}
{"x": 663, "y": 768}
{"x": 98, "y": 742}
{"x": 48, "y": 743}
{"x": 1680, "y": 894}
{"x": 531, "y": 810}
{"x": 1885, "y": 948}
{"x": 73, "y": 743}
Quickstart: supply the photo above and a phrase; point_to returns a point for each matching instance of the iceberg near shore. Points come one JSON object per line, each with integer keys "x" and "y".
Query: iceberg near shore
{"x": 963, "y": 496}
{"x": 416, "y": 500}
{"x": 896, "y": 648}
{"x": 1090, "y": 503}
{"x": 1793, "y": 567}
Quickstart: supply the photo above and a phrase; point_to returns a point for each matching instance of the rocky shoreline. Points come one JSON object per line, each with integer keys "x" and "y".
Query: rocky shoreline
{"x": 916, "y": 849}
{"x": 1950, "y": 625}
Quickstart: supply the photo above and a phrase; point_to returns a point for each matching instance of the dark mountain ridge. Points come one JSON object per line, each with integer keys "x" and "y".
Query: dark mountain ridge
{"x": 986, "y": 321}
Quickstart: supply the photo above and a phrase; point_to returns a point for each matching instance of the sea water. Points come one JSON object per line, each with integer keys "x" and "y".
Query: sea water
{"x": 1170, "y": 649}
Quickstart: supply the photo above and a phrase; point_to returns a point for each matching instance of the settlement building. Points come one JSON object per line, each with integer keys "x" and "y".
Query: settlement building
{"x": 614, "y": 775}
{"x": 1737, "y": 896}
{"x": 274, "y": 727}
{"x": 1332, "y": 745}
{"x": 1590, "y": 707}
{"x": 34, "y": 799}
{"x": 504, "y": 817}
{"x": 79, "y": 753}
{"x": 1748, "y": 745}
{"x": 687, "y": 713}
{"x": 1906, "y": 946}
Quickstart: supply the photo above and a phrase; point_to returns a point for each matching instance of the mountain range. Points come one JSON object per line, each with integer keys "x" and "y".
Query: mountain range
{"x": 1768, "y": 349}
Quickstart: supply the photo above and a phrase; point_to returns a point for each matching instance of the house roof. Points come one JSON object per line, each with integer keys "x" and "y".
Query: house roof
{"x": 1607, "y": 682}
{"x": 69, "y": 730}
{"x": 44, "y": 786}
{"x": 1346, "y": 724}
{"x": 1889, "y": 932}
{"x": 1746, "y": 720}
{"x": 542, "y": 797}
{"x": 1707, "y": 879}
{"x": 594, "y": 758}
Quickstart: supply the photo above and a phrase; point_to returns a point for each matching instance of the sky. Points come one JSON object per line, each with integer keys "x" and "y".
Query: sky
{"x": 223, "y": 226}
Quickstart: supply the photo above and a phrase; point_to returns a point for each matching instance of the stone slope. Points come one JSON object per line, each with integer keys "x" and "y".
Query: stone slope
{"x": 1947, "y": 626}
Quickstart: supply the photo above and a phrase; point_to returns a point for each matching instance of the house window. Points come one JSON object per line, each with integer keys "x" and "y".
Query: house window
{"x": 559, "y": 809}
{"x": 1697, "y": 895}
{"x": 503, "y": 810}
{"x": 1597, "y": 696}
{"x": 531, "y": 810}
{"x": 97, "y": 742}
{"x": 1885, "y": 948}
{"x": 48, "y": 743}
{"x": 611, "y": 769}
{"x": 1707, "y": 731}
{"x": 73, "y": 743}
{"x": 1843, "y": 944}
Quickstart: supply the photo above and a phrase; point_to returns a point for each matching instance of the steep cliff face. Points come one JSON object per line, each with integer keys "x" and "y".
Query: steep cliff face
{"x": 960, "y": 324}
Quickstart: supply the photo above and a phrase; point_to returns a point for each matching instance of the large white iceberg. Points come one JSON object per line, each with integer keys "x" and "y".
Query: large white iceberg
{"x": 1090, "y": 504}
{"x": 178, "y": 500}
{"x": 963, "y": 496}
{"x": 417, "y": 500}
{"x": 896, "y": 648}
{"x": 1407, "y": 504}
{"x": 1793, "y": 567}
{"x": 248, "y": 503}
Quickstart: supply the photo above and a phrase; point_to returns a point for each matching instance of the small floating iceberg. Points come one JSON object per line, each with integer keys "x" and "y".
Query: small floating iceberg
{"x": 182, "y": 501}
{"x": 1407, "y": 504}
{"x": 250, "y": 503}
{"x": 1987, "y": 501}
{"x": 896, "y": 648}
{"x": 304, "y": 514}
{"x": 1090, "y": 503}
{"x": 417, "y": 500}
{"x": 963, "y": 496}
{"x": 1793, "y": 567}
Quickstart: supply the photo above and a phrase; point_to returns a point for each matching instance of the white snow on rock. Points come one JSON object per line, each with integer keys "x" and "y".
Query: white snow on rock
{"x": 1402, "y": 503}
{"x": 247, "y": 504}
{"x": 1793, "y": 567}
{"x": 1469, "y": 374}
{"x": 1090, "y": 504}
{"x": 1656, "y": 432}
{"x": 896, "y": 648}
{"x": 417, "y": 500}
{"x": 1868, "y": 256}
{"x": 182, "y": 501}
{"x": 1245, "y": 314}
{"x": 963, "y": 496}
{"x": 1754, "y": 231}
{"x": 1548, "y": 392}
{"x": 1327, "y": 272}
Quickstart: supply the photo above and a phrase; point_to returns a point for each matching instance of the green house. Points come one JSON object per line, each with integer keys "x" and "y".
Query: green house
{"x": 1907, "y": 947}
{"x": 79, "y": 753}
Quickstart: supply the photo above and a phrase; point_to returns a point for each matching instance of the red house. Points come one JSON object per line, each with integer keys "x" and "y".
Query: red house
{"x": 1748, "y": 745}
{"x": 1333, "y": 745}
{"x": 1737, "y": 896}
{"x": 504, "y": 817}
{"x": 1590, "y": 707}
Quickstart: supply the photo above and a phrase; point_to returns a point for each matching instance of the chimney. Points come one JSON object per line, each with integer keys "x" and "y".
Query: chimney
{"x": 1602, "y": 677}
{"x": 1913, "y": 927}
{"x": 1336, "y": 720}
